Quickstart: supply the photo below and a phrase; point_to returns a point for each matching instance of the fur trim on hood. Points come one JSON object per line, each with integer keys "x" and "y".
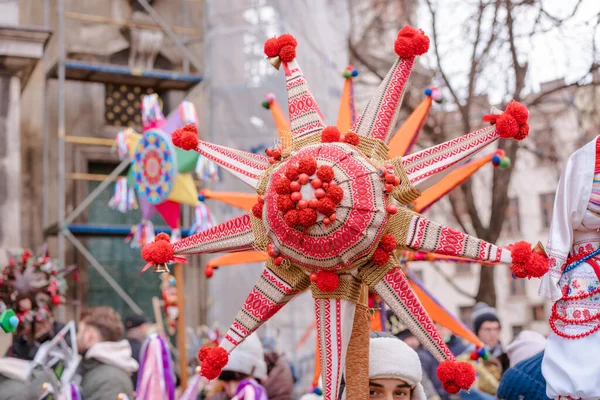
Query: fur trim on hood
{"x": 117, "y": 354}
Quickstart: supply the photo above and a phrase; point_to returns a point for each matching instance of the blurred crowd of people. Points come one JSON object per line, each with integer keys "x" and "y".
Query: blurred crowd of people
{"x": 399, "y": 367}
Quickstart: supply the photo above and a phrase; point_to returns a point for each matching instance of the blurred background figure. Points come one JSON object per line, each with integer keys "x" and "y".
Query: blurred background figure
{"x": 242, "y": 374}
{"x": 525, "y": 345}
{"x": 524, "y": 381}
{"x": 136, "y": 331}
{"x": 486, "y": 325}
{"x": 106, "y": 363}
{"x": 280, "y": 380}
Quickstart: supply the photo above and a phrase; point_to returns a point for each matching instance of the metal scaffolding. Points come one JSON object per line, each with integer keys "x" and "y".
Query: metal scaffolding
{"x": 66, "y": 69}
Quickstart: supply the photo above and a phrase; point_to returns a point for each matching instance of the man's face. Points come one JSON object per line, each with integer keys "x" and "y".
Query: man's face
{"x": 85, "y": 337}
{"x": 489, "y": 333}
{"x": 388, "y": 389}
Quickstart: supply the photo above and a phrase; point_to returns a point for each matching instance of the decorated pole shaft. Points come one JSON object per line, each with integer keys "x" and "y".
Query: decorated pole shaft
{"x": 181, "y": 326}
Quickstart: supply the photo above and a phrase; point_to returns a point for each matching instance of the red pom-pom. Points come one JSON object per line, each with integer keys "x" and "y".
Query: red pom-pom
{"x": 257, "y": 210}
{"x": 162, "y": 236}
{"x": 421, "y": 43}
{"x": 213, "y": 360}
{"x": 381, "y": 257}
{"x": 465, "y": 375}
{"x": 526, "y": 263}
{"x": 411, "y": 42}
{"x": 352, "y": 138}
{"x": 326, "y": 207}
{"x": 307, "y": 166}
{"x": 388, "y": 243}
{"x": 292, "y": 218}
{"x": 286, "y": 40}
{"x": 292, "y": 173}
{"x": 209, "y": 272}
{"x": 506, "y": 126}
{"x": 455, "y": 376}
{"x": 271, "y": 47}
{"x": 308, "y": 217}
{"x": 285, "y": 203}
{"x": 325, "y": 173}
{"x": 282, "y": 186}
{"x": 327, "y": 281}
{"x": 160, "y": 252}
{"x": 287, "y": 53}
{"x": 523, "y": 132}
{"x": 330, "y": 134}
{"x": 335, "y": 193}
{"x": 186, "y": 138}
{"x": 518, "y": 111}
{"x": 55, "y": 300}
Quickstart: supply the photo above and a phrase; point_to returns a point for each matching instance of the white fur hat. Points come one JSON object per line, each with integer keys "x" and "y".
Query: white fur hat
{"x": 525, "y": 345}
{"x": 248, "y": 358}
{"x": 391, "y": 358}
{"x": 311, "y": 396}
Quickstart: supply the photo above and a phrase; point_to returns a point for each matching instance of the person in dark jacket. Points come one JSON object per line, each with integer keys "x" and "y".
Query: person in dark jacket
{"x": 136, "y": 331}
{"x": 106, "y": 362}
{"x": 280, "y": 382}
{"x": 524, "y": 381}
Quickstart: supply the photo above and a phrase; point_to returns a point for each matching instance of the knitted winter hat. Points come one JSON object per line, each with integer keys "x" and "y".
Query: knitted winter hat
{"x": 248, "y": 358}
{"x": 524, "y": 381}
{"x": 392, "y": 358}
{"x": 482, "y": 313}
{"x": 525, "y": 345}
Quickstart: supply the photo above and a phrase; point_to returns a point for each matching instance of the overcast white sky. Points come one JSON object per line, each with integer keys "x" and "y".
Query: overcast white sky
{"x": 560, "y": 53}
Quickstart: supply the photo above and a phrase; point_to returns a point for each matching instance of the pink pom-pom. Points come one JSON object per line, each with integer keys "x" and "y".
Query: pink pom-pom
{"x": 186, "y": 138}
{"x": 270, "y": 98}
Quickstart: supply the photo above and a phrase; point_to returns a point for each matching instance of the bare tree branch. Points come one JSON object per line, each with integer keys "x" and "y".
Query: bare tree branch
{"x": 450, "y": 281}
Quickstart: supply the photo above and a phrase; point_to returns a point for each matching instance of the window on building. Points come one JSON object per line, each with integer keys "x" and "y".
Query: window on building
{"x": 513, "y": 219}
{"x": 517, "y": 286}
{"x": 122, "y": 104}
{"x": 465, "y": 313}
{"x": 462, "y": 269}
{"x": 516, "y": 329}
{"x": 546, "y": 205}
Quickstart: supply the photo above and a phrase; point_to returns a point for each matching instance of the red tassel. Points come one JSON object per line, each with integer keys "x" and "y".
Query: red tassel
{"x": 411, "y": 42}
{"x": 327, "y": 281}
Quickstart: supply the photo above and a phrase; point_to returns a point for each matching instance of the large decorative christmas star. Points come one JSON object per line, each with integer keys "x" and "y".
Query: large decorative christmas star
{"x": 332, "y": 210}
